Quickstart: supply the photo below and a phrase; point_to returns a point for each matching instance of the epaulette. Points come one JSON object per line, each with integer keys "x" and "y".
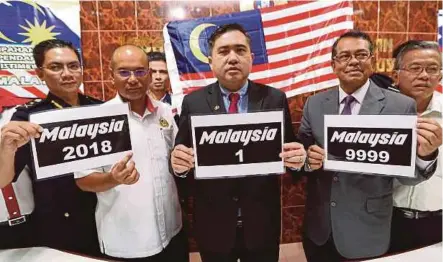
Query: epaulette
{"x": 32, "y": 104}
{"x": 94, "y": 100}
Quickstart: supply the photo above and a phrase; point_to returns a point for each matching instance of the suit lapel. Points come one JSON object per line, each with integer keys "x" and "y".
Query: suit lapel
{"x": 215, "y": 100}
{"x": 255, "y": 97}
{"x": 330, "y": 105}
{"x": 373, "y": 102}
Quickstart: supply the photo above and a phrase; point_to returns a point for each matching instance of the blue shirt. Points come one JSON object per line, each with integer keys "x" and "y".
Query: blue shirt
{"x": 242, "y": 103}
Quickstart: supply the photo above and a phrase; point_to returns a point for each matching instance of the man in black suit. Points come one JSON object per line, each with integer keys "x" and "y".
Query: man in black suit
{"x": 236, "y": 217}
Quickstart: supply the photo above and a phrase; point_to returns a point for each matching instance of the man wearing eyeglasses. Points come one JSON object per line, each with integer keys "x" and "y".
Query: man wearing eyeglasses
{"x": 63, "y": 217}
{"x": 417, "y": 215}
{"x": 348, "y": 215}
{"x": 138, "y": 213}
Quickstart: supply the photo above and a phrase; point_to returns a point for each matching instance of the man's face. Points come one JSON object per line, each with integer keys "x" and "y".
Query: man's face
{"x": 130, "y": 73}
{"x": 353, "y": 61}
{"x": 231, "y": 59}
{"x": 420, "y": 73}
{"x": 61, "y": 71}
{"x": 159, "y": 73}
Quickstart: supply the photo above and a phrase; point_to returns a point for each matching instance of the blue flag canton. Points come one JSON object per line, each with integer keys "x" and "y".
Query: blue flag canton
{"x": 30, "y": 23}
{"x": 189, "y": 39}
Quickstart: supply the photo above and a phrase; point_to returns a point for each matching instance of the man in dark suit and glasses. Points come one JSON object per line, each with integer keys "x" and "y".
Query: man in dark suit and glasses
{"x": 235, "y": 217}
{"x": 348, "y": 215}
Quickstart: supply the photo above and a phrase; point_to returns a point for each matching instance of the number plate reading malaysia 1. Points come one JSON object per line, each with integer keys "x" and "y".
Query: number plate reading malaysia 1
{"x": 236, "y": 145}
{"x": 79, "y": 139}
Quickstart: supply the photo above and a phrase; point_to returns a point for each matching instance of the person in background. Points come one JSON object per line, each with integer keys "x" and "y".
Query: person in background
{"x": 417, "y": 215}
{"x": 159, "y": 86}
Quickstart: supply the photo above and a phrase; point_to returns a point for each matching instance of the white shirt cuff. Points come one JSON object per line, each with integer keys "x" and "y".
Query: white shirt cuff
{"x": 424, "y": 164}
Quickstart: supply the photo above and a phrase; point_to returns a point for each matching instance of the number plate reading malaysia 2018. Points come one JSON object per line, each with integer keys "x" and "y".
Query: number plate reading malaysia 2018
{"x": 371, "y": 144}
{"x": 237, "y": 145}
{"x": 80, "y": 138}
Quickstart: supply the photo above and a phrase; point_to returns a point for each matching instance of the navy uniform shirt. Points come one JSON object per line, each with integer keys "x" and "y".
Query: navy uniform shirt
{"x": 63, "y": 217}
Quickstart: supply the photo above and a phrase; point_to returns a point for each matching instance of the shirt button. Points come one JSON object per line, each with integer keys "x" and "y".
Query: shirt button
{"x": 333, "y": 204}
{"x": 235, "y": 199}
{"x": 66, "y": 214}
{"x": 14, "y": 213}
{"x": 10, "y": 198}
{"x": 335, "y": 178}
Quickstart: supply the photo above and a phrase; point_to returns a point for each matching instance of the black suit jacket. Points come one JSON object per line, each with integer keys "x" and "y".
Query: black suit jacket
{"x": 216, "y": 201}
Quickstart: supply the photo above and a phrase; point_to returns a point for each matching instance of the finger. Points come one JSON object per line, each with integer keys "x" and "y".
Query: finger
{"x": 315, "y": 155}
{"x": 429, "y": 136}
{"x": 293, "y": 165}
{"x": 185, "y": 149}
{"x": 315, "y": 166}
{"x": 180, "y": 168}
{"x": 185, "y": 156}
{"x": 435, "y": 128}
{"x": 132, "y": 177}
{"x": 292, "y": 145}
{"x": 122, "y": 163}
{"x": 180, "y": 162}
{"x": 33, "y": 130}
{"x": 292, "y": 153}
{"x": 317, "y": 149}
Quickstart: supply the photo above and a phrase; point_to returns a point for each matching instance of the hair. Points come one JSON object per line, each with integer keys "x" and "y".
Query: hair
{"x": 156, "y": 56}
{"x": 400, "y": 51}
{"x": 353, "y": 34}
{"x": 224, "y": 29}
{"x": 41, "y": 48}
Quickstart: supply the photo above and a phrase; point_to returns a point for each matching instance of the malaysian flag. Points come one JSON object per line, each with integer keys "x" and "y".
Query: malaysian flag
{"x": 292, "y": 46}
{"x": 440, "y": 39}
{"x": 23, "y": 25}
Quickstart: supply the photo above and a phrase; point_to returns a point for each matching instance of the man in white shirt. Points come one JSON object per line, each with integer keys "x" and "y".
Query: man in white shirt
{"x": 138, "y": 213}
{"x": 417, "y": 216}
{"x": 16, "y": 229}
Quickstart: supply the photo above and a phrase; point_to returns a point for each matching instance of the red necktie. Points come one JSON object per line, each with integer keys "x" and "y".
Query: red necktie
{"x": 233, "y": 107}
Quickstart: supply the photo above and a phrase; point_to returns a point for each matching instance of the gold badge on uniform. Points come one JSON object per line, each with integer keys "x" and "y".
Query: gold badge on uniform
{"x": 163, "y": 122}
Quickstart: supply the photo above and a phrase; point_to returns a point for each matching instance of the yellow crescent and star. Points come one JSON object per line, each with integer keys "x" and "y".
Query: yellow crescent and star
{"x": 194, "y": 43}
{"x": 36, "y": 32}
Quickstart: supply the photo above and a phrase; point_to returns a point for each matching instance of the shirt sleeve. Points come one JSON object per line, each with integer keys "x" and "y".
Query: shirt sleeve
{"x": 85, "y": 173}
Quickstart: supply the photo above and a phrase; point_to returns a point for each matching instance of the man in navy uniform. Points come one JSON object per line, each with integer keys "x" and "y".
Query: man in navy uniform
{"x": 63, "y": 217}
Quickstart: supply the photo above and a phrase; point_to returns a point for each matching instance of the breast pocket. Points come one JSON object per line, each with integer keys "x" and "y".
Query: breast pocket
{"x": 158, "y": 143}
{"x": 168, "y": 137}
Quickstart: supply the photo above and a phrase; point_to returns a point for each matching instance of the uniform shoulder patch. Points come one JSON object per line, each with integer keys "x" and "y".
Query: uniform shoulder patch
{"x": 33, "y": 103}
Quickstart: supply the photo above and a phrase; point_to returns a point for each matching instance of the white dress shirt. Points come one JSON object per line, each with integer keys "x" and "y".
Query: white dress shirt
{"x": 23, "y": 185}
{"x": 426, "y": 196}
{"x": 139, "y": 220}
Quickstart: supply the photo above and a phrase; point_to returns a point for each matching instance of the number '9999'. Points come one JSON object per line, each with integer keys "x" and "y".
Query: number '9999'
{"x": 82, "y": 150}
{"x": 371, "y": 155}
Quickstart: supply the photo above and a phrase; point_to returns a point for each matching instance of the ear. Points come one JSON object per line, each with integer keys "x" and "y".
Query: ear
{"x": 111, "y": 73}
{"x": 253, "y": 57}
{"x": 395, "y": 77}
{"x": 210, "y": 61}
{"x": 40, "y": 74}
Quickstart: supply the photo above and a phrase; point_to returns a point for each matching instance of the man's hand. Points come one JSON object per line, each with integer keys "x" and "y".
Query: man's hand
{"x": 124, "y": 172}
{"x": 429, "y": 136}
{"x": 294, "y": 155}
{"x": 18, "y": 133}
{"x": 182, "y": 159}
{"x": 316, "y": 155}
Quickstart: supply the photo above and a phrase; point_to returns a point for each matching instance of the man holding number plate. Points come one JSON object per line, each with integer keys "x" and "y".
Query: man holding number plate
{"x": 348, "y": 210}
{"x": 63, "y": 217}
{"x": 239, "y": 216}
{"x": 138, "y": 212}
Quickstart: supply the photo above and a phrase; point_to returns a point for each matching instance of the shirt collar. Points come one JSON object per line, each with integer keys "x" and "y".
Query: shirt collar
{"x": 435, "y": 105}
{"x": 359, "y": 94}
{"x": 57, "y": 102}
{"x": 242, "y": 92}
{"x": 151, "y": 105}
